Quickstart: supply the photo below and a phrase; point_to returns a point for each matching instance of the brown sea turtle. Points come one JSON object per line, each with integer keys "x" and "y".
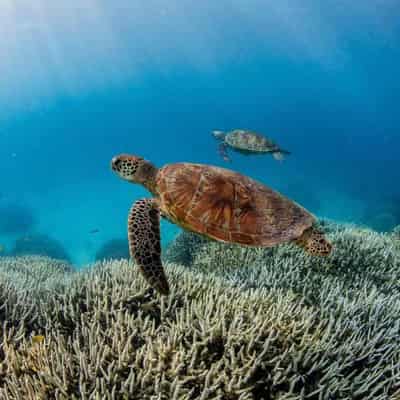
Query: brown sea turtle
{"x": 247, "y": 143}
{"x": 215, "y": 202}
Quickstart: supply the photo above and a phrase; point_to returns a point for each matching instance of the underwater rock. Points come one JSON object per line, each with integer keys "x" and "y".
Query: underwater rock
{"x": 15, "y": 218}
{"x": 113, "y": 249}
{"x": 107, "y": 335}
{"x": 39, "y": 244}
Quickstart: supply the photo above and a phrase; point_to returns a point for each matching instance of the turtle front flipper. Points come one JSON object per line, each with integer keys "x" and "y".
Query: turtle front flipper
{"x": 144, "y": 243}
{"x": 223, "y": 153}
{"x": 314, "y": 242}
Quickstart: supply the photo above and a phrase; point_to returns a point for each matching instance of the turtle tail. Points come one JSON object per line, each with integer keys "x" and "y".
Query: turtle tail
{"x": 314, "y": 242}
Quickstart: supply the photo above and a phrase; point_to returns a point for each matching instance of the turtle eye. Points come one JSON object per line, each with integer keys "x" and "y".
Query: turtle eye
{"x": 116, "y": 164}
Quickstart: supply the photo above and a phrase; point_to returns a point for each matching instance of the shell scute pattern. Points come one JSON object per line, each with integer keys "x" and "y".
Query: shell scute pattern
{"x": 176, "y": 188}
{"x": 228, "y": 206}
{"x": 251, "y": 141}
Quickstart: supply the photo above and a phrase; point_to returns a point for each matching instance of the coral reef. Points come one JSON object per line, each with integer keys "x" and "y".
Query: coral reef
{"x": 39, "y": 244}
{"x": 218, "y": 335}
{"x": 183, "y": 247}
{"x": 113, "y": 249}
{"x": 15, "y": 218}
{"x": 25, "y": 284}
{"x": 361, "y": 258}
{"x": 396, "y": 236}
{"x": 186, "y": 245}
{"x": 41, "y": 267}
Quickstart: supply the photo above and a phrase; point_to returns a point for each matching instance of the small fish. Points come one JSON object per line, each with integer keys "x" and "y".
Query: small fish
{"x": 94, "y": 230}
{"x": 37, "y": 339}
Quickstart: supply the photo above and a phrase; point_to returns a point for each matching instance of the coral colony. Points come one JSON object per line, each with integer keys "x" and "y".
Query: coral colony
{"x": 239, "y": 324}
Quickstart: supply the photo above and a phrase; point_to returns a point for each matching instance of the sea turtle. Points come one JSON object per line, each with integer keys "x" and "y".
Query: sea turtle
{"x": 215, "y": 202}
{"x": 247, "y": 142}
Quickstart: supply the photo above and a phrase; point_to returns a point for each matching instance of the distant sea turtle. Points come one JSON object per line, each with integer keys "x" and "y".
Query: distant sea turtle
{"x": 247, "y": 142}
{"x": 215, "y": 202}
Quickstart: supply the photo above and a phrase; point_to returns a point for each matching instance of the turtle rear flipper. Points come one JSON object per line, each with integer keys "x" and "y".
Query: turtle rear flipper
{"x": 280, "y": 154}
{"x": 314, "y": 242}
{"x": 223, "y": 153}
{"x": 144, "y": 243}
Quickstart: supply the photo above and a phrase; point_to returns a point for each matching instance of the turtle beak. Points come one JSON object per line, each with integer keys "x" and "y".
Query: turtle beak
{"x": 115, "y": 162}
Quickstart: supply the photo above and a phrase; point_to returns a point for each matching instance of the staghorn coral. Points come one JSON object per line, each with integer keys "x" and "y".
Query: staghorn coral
{"x": 182, "y": 248}
{"x": 396, "y": 233}
{"x": 395, "y": 236}
{"x": 361, "y": 259}
{"x": 33, "y": 271}
{"x": 34, "y": 264}
{"x": 108, "y": 336}
{"x": 25, "y": 283}
{"x": 185, "y": 246}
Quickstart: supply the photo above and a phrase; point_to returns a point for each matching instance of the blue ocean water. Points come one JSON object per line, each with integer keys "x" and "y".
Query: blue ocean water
{"x": 85, "y": 80}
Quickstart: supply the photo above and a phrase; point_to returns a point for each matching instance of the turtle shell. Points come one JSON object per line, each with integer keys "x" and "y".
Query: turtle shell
{"x": 249, "y": 141}
{"x": 227, "y": 206}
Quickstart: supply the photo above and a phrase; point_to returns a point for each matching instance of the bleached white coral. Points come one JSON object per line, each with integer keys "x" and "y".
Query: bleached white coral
{"x": 109, "y": 336}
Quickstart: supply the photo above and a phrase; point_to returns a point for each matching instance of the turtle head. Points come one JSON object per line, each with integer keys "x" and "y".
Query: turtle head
{"x": 219, "y": 135}
{"x": 135, "y": 169}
